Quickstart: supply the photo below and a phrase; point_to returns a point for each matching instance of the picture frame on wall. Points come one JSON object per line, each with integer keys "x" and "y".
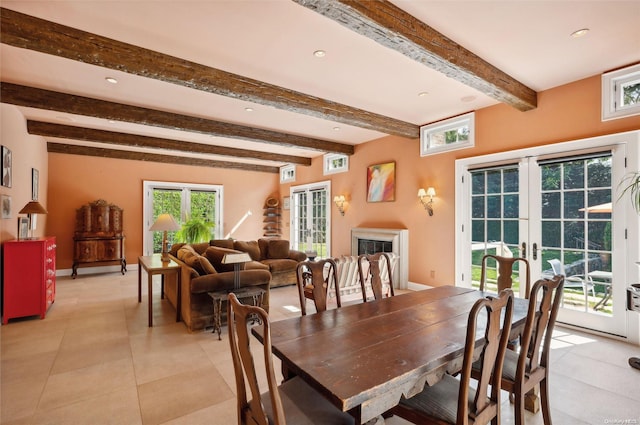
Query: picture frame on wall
{"x": 35, "y": 183}
{"x": 5, "y": 204}
{"x": 286, "y": 202}
{"x": 381, "y": 182}
{"x": 6, "y": 166}
{"x": 23, "y": 228}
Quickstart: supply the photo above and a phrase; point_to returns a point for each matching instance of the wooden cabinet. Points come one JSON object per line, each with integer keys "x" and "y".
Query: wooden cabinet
{"x": 98, "y": 237}
{"x": 29, "y": 277}
{"x": 272, "y": 218}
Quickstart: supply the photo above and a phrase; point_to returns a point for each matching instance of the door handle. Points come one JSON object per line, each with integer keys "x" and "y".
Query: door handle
{"x": 535, "y": 251}
{"x": 524, "y": 250}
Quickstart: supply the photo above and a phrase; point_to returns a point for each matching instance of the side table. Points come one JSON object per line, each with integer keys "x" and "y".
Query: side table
{"x": 153, "y": 265}
{"x": 252, "y": 293}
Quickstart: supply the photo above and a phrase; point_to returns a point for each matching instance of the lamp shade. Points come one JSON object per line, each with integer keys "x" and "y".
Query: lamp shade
{"x": 165, "y": 223}
{"x": 431, "y": 191}
{"x": 33, "y": 207}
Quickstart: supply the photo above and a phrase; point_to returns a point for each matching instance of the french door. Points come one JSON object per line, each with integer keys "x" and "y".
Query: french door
{"x": 310, "y": 221}
{"x": 554, "y": 206}
{"x": 183, "y": 201}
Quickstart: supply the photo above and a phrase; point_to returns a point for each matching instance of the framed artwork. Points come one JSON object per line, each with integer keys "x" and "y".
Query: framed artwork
{"x": 35, "y": 176}
{"x": 381, "y": 182}
{"x": 286, "y": 202}
{"x": 5, "y": 200}
{"x": 6, "y": 166}
{"x": 23, "y": 227}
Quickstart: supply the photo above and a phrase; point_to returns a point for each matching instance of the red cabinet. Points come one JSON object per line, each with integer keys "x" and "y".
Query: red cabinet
{"x": 29, "y": 277}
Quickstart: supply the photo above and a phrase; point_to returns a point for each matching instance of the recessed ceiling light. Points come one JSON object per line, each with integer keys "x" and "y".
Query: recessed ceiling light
{"x": 319, "y": 53}
{"x": 423, "y": 93}
{"x": 336, "y": 128}
{"x": 111, "y": 80}
{"x": 580, "y": 32}
{"x": 248, "y": 109}
{"x": 468, "y": 98}
{"x": 112, "y": 121}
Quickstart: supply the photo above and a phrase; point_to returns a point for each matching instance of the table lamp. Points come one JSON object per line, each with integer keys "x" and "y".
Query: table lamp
{"x": 237, "y": 259}
{"x": 32, "y": 207}
{"x": 165, "y": 223}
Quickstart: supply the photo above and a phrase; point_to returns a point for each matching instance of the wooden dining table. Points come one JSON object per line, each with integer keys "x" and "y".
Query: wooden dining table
{"x": 364, "y": 357}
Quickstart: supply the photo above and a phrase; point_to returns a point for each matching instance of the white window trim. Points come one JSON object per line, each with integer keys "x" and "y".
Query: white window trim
{"x": 329, "y": 158}
{"x": 448, "y": 124}
{"x": 287, "y": 173}
{"x": 611, "y": 82}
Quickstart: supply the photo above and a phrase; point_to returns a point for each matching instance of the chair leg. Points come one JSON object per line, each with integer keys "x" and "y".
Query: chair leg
{"x": 544, "y": 398}
{"x": 518, "y": 408}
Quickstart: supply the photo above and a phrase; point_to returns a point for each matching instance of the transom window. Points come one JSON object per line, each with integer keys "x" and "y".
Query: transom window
{"x": 287, "y": 173}
{"x": 621, "y": 93}
{"x": 448, "y": 135}
{"x": 335, "y": 163}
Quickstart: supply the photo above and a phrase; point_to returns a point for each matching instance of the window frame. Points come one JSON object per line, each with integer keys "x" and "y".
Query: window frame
{"x": 287, "y": 173}
{"x": 612, "y": 82}
{"x": 457, "y": 122}
{"x": 328, "y": 160}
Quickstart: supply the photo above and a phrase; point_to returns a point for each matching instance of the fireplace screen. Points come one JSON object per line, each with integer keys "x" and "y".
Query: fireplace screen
{"x": 368, "y": 246}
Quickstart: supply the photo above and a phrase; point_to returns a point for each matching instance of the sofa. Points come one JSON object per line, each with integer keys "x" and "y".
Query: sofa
{"x": 203, "y": 272}
{"x": 269, "y": 254}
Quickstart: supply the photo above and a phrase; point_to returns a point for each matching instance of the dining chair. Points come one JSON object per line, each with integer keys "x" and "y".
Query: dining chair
{"x": 293, "y": 402}
{"x": 454, "y": 400}
{"x": 576, "y": 281}
{"x": 525, "y": 370}
{"x": 314, "y": 278}
{"x": 371, "y": 269}
{"x": 505, "y": 272}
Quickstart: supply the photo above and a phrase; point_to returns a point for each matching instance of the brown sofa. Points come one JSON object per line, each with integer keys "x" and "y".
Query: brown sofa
{"x": 202, "y": 272}
{"x": 269, "y": 254}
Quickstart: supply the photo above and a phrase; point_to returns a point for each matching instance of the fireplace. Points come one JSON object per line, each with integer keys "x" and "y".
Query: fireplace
{"x": 370, "y": 240}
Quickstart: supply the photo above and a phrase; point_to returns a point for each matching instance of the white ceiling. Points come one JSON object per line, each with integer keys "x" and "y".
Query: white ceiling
{"x": 274, "y": 40}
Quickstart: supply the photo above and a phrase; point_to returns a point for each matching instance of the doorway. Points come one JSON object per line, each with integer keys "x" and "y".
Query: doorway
{"x": 310, "y": 221}
{"x": 555, "y": 206}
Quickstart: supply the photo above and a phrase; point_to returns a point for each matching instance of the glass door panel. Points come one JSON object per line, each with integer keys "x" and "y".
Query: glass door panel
{"x": 310, "y": 223}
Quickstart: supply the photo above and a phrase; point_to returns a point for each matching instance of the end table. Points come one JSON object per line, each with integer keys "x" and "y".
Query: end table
{"x": 153, "y": 265}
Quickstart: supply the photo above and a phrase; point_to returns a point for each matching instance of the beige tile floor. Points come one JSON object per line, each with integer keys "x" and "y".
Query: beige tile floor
{"x": 93, "y": 360}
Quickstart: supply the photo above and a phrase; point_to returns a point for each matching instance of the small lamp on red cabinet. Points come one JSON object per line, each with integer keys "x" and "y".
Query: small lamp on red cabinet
{"x": 32, "y": 207}
{"x": 165, "y": 223}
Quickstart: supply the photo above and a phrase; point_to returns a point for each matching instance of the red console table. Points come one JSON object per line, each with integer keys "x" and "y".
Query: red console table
{"x": 29, "y": 277}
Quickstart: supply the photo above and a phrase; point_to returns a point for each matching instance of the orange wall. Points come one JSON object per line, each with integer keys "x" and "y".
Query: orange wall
{"x": 76, "y": 180}
{"x": 564, "y": 113}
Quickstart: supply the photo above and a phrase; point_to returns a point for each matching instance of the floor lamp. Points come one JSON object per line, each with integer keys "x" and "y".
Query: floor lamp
{"x": 165, "y": 223}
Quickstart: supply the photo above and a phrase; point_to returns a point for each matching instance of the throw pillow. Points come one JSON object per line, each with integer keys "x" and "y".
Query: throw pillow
{"x": 200, "y": 264}
{"x": 185, "y": 251}
{"x": 278, "y": 248}
{"x": 250, "y": 247}
{"x": 175, "y": 247}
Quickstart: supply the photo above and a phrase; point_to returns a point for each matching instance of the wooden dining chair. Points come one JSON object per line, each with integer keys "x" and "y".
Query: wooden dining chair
{"x": 505, "y": 272}
{"x": 454, "y": 401}
{"x": 379, "y": 264}
{"x": 294, "y": 402}
{"x": 524, "y": 370}
{"x": 314, "y": 278}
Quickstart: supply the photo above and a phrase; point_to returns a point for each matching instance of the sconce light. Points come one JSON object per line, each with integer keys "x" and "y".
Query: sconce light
{"x": 339, "y": 201}
{"x": 422, "y": 194}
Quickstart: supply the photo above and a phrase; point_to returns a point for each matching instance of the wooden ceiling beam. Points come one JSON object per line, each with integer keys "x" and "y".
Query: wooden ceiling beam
{"x": 29, "y": 32}
{"x": 55, "y": 101}
{"x": 152, "y": 157}
{"x": 134, "y": 140}
{"x": 394, "y": 28}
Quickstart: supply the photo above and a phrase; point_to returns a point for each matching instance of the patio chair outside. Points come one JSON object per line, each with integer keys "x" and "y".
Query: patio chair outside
{"x": 578, "y": 281}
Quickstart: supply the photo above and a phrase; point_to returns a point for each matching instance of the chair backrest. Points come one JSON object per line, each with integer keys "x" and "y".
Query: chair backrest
{"x": 251, "y": 411}
{"x": 544, "y": 302}
{"x": 486, "y": 403}
{"x": 557, "y": 267}
{"x": 314, "y": 278}
{"x": 505, "y": 271}
{"x": 377, "y": 263}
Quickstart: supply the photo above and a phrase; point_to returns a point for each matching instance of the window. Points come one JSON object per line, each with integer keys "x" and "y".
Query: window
{"x": 621, "y": 93}
{"x": 335, "y": 163}
{"x": 287, "y": 173}
{"x": 447, "y": 135}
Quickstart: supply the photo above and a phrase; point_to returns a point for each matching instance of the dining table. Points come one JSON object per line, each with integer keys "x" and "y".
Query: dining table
{"x": 364, "y": 357}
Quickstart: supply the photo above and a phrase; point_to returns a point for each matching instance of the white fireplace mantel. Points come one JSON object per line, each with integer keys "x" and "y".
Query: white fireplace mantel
{"x": 399, "y": 239}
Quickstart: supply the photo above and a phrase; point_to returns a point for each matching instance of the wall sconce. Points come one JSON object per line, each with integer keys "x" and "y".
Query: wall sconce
{"x": 339, "y": 201}
{"x": 422, "y": 194}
